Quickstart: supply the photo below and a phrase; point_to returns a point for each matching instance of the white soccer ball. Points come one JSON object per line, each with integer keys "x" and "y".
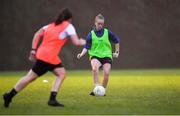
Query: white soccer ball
{"x": 99, "y": 91}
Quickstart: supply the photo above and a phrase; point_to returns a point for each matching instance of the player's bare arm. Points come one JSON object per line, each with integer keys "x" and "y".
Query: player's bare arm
{"x": 76, "y": 41}
{"x": 37, "y": 37}
{"x": 84, "y": 51}
{"x": 116, "y": 53}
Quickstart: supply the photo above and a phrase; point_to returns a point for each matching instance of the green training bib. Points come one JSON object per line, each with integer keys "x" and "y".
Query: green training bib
{"x": 101, "y": 46}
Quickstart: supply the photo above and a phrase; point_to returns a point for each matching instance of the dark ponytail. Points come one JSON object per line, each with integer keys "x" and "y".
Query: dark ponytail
{"x": 63, "y": 16}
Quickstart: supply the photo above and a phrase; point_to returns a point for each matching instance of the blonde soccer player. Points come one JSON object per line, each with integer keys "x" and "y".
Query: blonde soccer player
{"x": 98, "y": 45}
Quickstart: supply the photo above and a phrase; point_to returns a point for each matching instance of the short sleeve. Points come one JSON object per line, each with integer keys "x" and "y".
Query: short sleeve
{"x": 114, "y": 38}
{"x": 88, "y": 41}
{"x": 70, "y": 30}
{"x": 45, "y": 27}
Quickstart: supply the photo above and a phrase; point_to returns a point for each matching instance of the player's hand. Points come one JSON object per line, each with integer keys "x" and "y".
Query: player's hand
{"x": 115, "y": 55}
{"x": 82, "y": 41}
{"x": 79, "y": 56}
{"x": 32, "y": 56}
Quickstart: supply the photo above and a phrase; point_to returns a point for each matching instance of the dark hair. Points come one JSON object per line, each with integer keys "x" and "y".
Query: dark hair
{"x": 63, "y": 16}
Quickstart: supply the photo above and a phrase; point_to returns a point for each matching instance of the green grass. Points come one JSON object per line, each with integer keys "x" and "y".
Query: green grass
{"x": 129, "y": 92}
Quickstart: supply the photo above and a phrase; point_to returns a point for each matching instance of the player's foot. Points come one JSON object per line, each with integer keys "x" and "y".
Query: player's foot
{"x": 7, "y": 100}
{"x": 92, "y": 94}
{"x": 55, "y": 103}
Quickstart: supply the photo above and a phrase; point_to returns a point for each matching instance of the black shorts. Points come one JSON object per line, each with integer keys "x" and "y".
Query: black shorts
{"x": 41, "y": 67}
{"x": 103, "y": 60}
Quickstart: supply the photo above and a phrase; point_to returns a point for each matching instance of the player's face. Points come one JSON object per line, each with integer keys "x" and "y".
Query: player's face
{"x": 99, "y": 23}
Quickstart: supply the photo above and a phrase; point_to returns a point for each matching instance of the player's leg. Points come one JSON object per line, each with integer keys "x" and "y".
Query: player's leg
{"x": 60, "y": 76}
{"x": 31, "y": 76}
{"x": 106, "y": 70}
{"x": 38, "y": 70}
{"x": 95, "y": 64}
{"x": 22, "y": 83}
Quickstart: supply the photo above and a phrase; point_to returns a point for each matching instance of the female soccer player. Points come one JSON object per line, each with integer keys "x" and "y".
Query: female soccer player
{"x": 54, "y": 36}
{"x": 100, "y": 51}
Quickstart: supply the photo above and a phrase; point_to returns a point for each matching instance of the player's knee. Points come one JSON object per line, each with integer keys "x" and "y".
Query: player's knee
{"x": 30, "y": 77}
{"x": 94, "y": 68}
{"x": 62, "y": 74}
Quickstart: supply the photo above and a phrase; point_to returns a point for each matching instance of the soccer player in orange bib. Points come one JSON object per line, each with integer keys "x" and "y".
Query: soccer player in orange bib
{"x": 54, "y": 36}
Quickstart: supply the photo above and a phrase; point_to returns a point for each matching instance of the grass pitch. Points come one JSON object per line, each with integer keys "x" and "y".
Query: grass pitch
{"x": 129, "y": 92}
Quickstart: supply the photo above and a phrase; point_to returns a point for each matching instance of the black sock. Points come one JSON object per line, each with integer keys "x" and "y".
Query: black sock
{"x": 12, "y": 93}
{"x": 53, "y": 95}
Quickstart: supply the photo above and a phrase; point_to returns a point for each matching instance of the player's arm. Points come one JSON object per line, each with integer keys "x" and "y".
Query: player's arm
{"x": 76, "y": 41}
{"x": 116, "y": 53}
{"x": 84, "y": 51}
{"x": 87, "y": 46}
{"x": 71, "y": 32}
{"x": 37, "y": 36}
{"x": 36, "y": 39}
{"x": 115, "y": 39}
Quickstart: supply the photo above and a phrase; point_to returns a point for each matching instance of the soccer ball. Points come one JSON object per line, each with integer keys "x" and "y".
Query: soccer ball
{"x": 99, "y": 91}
